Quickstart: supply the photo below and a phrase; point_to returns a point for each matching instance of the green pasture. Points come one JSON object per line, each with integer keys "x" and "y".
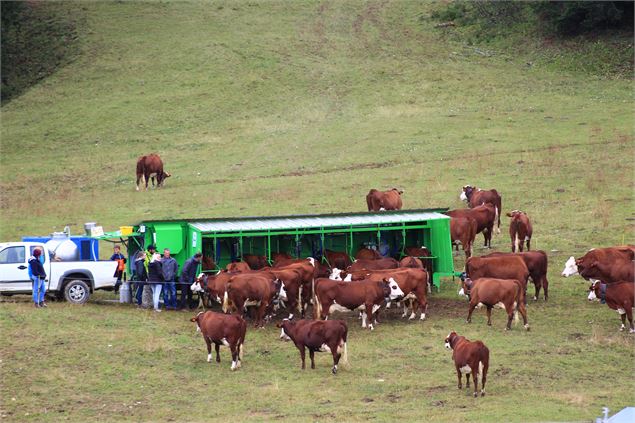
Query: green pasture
{"x": 284, "y": 107}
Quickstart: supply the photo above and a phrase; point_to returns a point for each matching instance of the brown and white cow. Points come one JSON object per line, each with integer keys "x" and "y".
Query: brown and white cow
{"x": 213, "y": 285}
{"x": 309, "y": 269}
{"x": 259, "y": 289}
{"x": 469, "y": 357}
{"x": 501, "y": 267}
{"x": 384, "y": 200}
{"x": 476, "y": 197}
{"x": 421, "y": 253}
{"x": 520, "y": 230}
{"x": 611, "y": 264}
{"x": 292, "y": 282}
{"x": 151, "y": 166}
{"x": 537, "y": 263}
{"x": 508, "y": 294}
{"x": 619, "y": 296}
{"x": 221, "y": 329}
{"x": 463, "y": 231}
{"x": 255, "y": 262}
{"x": 317, "y": 336}
{"x": 485, "y": 216}
{"x": 367, "y": 254}
{"x": 366, "y": 296}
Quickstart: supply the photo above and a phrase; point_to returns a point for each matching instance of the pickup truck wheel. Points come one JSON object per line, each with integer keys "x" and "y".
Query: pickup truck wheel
{"x": 76, "y": 291}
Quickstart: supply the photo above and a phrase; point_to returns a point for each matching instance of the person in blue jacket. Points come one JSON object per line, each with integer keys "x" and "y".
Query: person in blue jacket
{"x": 38, "y": 276}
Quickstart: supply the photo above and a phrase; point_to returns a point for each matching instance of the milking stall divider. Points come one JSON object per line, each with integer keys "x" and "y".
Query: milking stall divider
{"x": 225, "y": 239}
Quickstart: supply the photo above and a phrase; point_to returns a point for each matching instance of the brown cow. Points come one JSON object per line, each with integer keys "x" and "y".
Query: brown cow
{"x": 611, "y": 264}
{"x": 477, "y": 197}
{"x": 367, "y": 296}
{"x": 619, "y": 296}
{"x": 367, "y": 254}
{"x": 253, "y": 289}
{"x": 421, "y": 253}
{"x": 213, "y": 285}
{"x": 383, "y": 263}
{"x": 222, "y": 329}
{"x": 384, "y": 200}
{"x": 502, "y": 267}
{"x": 508, "y": 294}
{"x": 308, "y": 268}
{"x": 292, "y": 282}
{"x": 280, "y": 257}
{"x": 469, "y": 357}
{"x": 463, "y": 231}
{"x": 412, "y": 282}
{"x": 317, "y": 336}
{"x": 337, "y": 259}
{"x": 255, "y": 262}
{"x": 238, "y": 266}
{"x": 537, "y": 263}
{"x": 520, "y": 230}
{"x": 151, "y": 166}
{"x": 485, "y": 217}
{"x": 411, "y": 262}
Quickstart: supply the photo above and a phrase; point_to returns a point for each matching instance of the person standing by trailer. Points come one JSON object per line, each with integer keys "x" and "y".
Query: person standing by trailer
{"x": 38, "y": 276}
{"x": 170, "y": 268}
{"x": 188, "y": 274}
{"x": 121, "y": 265}
{"x": 140, "y": 276}
{"x": 155, "y": 278}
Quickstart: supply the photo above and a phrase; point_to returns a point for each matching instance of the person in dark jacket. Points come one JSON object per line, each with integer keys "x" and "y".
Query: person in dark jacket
{"x": 36, "y": 269}
{"x": 140, "y": 276}
{"x": 188, "y": 274}
{"x": 121, "y": 265}
{"x": 170, "y": 268}
{"x": 155, "y": 278}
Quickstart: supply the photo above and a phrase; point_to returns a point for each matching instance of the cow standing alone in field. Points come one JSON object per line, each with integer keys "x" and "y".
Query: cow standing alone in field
{"x": 221, "y": 329}
{"x": 384, "y": 200}
{"x": 477, "y": 197}
{"x": 520, "y": 230}
{"x": 151, "y": 166}
{"x": 469, "y": 357}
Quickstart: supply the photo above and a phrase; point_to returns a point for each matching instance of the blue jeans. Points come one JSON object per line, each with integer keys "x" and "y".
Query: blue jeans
{"x": 169, "y": 294}
{"x": 39, "y": 289}
{"x": 139, "y": 293}
{"x": 156, "y": 294}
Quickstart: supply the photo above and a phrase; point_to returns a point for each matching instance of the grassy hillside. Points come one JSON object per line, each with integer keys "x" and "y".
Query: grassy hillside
{"x": 269, "y": 108}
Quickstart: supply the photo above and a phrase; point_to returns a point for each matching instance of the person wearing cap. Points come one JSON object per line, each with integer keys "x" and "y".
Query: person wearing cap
{"x": 188, "y": 274}
{"x": 38, "y": 276}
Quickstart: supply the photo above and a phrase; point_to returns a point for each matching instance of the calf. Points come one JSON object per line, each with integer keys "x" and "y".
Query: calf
{"x": 469, "y": 357}
{"x": 255, "y": 262}
{"x": 505, "y": 293}
{"x": 253, "y": 289}
{"x": 619, "y": 296}
{"x": 317, "y": 336}
{"x": 150, "y": 166}
{"x": 485, "y": 216}
{"x": 537, "y": 263}
{"x": 292, "y": 282}
{"x": 410, "y": 262}
{"x": 520, "y": 230}
{"x": 337, "y": 259}
{"x": 476, "y": 197}
{"x": 213, "y": 285}
{"x": 222, "y": 329}
{"x": 384, "y": 200}
{"x": 237, "y": 266}
{"x": 463, "y": 231}
{"x": 367, "y": 296}
{"x": 421, "y": 253}
{"x": 280, "y": 257}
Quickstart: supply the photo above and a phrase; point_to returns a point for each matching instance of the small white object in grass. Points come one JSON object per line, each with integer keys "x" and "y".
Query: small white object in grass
{"x": 110, "y": 345}
{"x": 380, "y": 380}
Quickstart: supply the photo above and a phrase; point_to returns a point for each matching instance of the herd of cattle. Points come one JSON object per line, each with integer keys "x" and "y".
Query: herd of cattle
{"x": 334, "y": 282}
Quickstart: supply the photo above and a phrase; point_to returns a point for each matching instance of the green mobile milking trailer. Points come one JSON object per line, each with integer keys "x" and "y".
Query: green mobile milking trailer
{"x": 226, "y": 239}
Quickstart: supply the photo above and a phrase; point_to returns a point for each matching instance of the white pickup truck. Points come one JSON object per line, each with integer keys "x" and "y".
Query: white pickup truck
{"x": 72, "y": 280}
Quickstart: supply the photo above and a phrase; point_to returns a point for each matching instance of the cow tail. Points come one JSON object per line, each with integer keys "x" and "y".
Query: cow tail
{"x": 299, "y": 306}
{"x": 497, "y": 217}
{"x": 317, "y": 306}
{"x": 345, "y": 352}
{"x": 226, "y": 298}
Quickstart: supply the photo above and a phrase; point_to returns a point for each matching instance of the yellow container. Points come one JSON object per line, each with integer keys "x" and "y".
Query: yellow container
{"x": 126, "y": 230}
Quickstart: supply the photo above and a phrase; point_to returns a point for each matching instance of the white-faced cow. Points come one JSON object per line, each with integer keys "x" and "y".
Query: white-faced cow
{"x": 619, "y": 296}
{"x": 611, "y": 264}
{"x": 150, "y": 166}
{"x": 520, "y": 230}
{"x": 384, "y": 200}
{"x": 485, "y": 216}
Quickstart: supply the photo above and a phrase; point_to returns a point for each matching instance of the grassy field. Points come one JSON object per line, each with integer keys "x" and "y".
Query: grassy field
{"x": 272, "y": 108}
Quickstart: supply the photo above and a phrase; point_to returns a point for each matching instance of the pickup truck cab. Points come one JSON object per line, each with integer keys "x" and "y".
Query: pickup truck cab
{"x": 71, "y": 280}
